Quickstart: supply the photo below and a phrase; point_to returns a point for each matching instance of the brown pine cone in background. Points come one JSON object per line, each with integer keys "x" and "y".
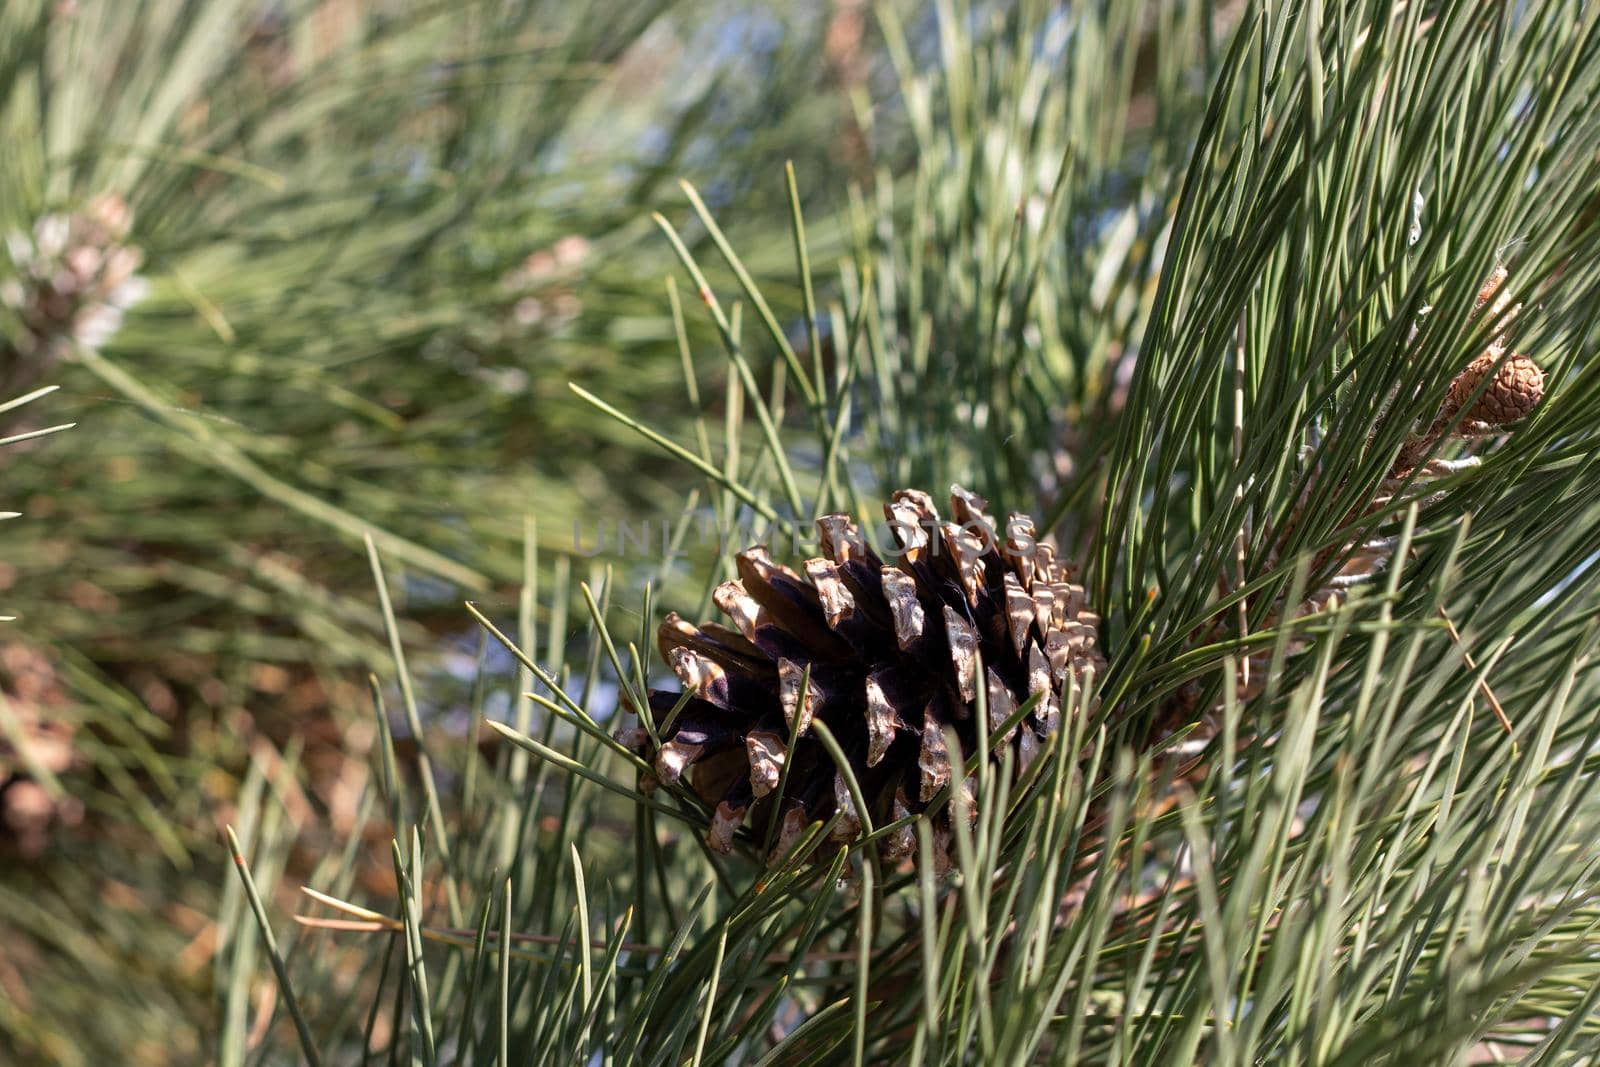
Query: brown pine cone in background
{"x": 37, "y": 739}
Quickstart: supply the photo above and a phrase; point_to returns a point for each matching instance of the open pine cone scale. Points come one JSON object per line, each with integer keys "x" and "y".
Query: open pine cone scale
{"x": 894, "y": 652}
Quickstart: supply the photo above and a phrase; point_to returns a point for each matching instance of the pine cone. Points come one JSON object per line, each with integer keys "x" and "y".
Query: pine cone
{"x": 40, "y": 738}
{"x": 894, "y": 652}
{"x": 1516, "y": 390}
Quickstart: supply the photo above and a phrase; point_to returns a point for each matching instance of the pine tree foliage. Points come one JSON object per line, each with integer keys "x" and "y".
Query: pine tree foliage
{"x": 1334, "y": 803}
{"x": 284, "y": 203}
{"x": 305, "y": 270}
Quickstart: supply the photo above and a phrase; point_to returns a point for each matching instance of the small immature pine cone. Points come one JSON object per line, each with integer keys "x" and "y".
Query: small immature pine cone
{"x": 1516, "y": 390}
{"x": 897, "y": 652}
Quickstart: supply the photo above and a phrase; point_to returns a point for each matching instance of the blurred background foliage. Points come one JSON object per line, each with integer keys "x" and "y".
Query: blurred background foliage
{"x": 307, "y": 268}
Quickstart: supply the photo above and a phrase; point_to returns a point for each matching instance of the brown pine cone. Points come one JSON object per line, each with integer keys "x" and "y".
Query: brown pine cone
{"x": 896, "y": 651}
{"x": 1516, "y": 390}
